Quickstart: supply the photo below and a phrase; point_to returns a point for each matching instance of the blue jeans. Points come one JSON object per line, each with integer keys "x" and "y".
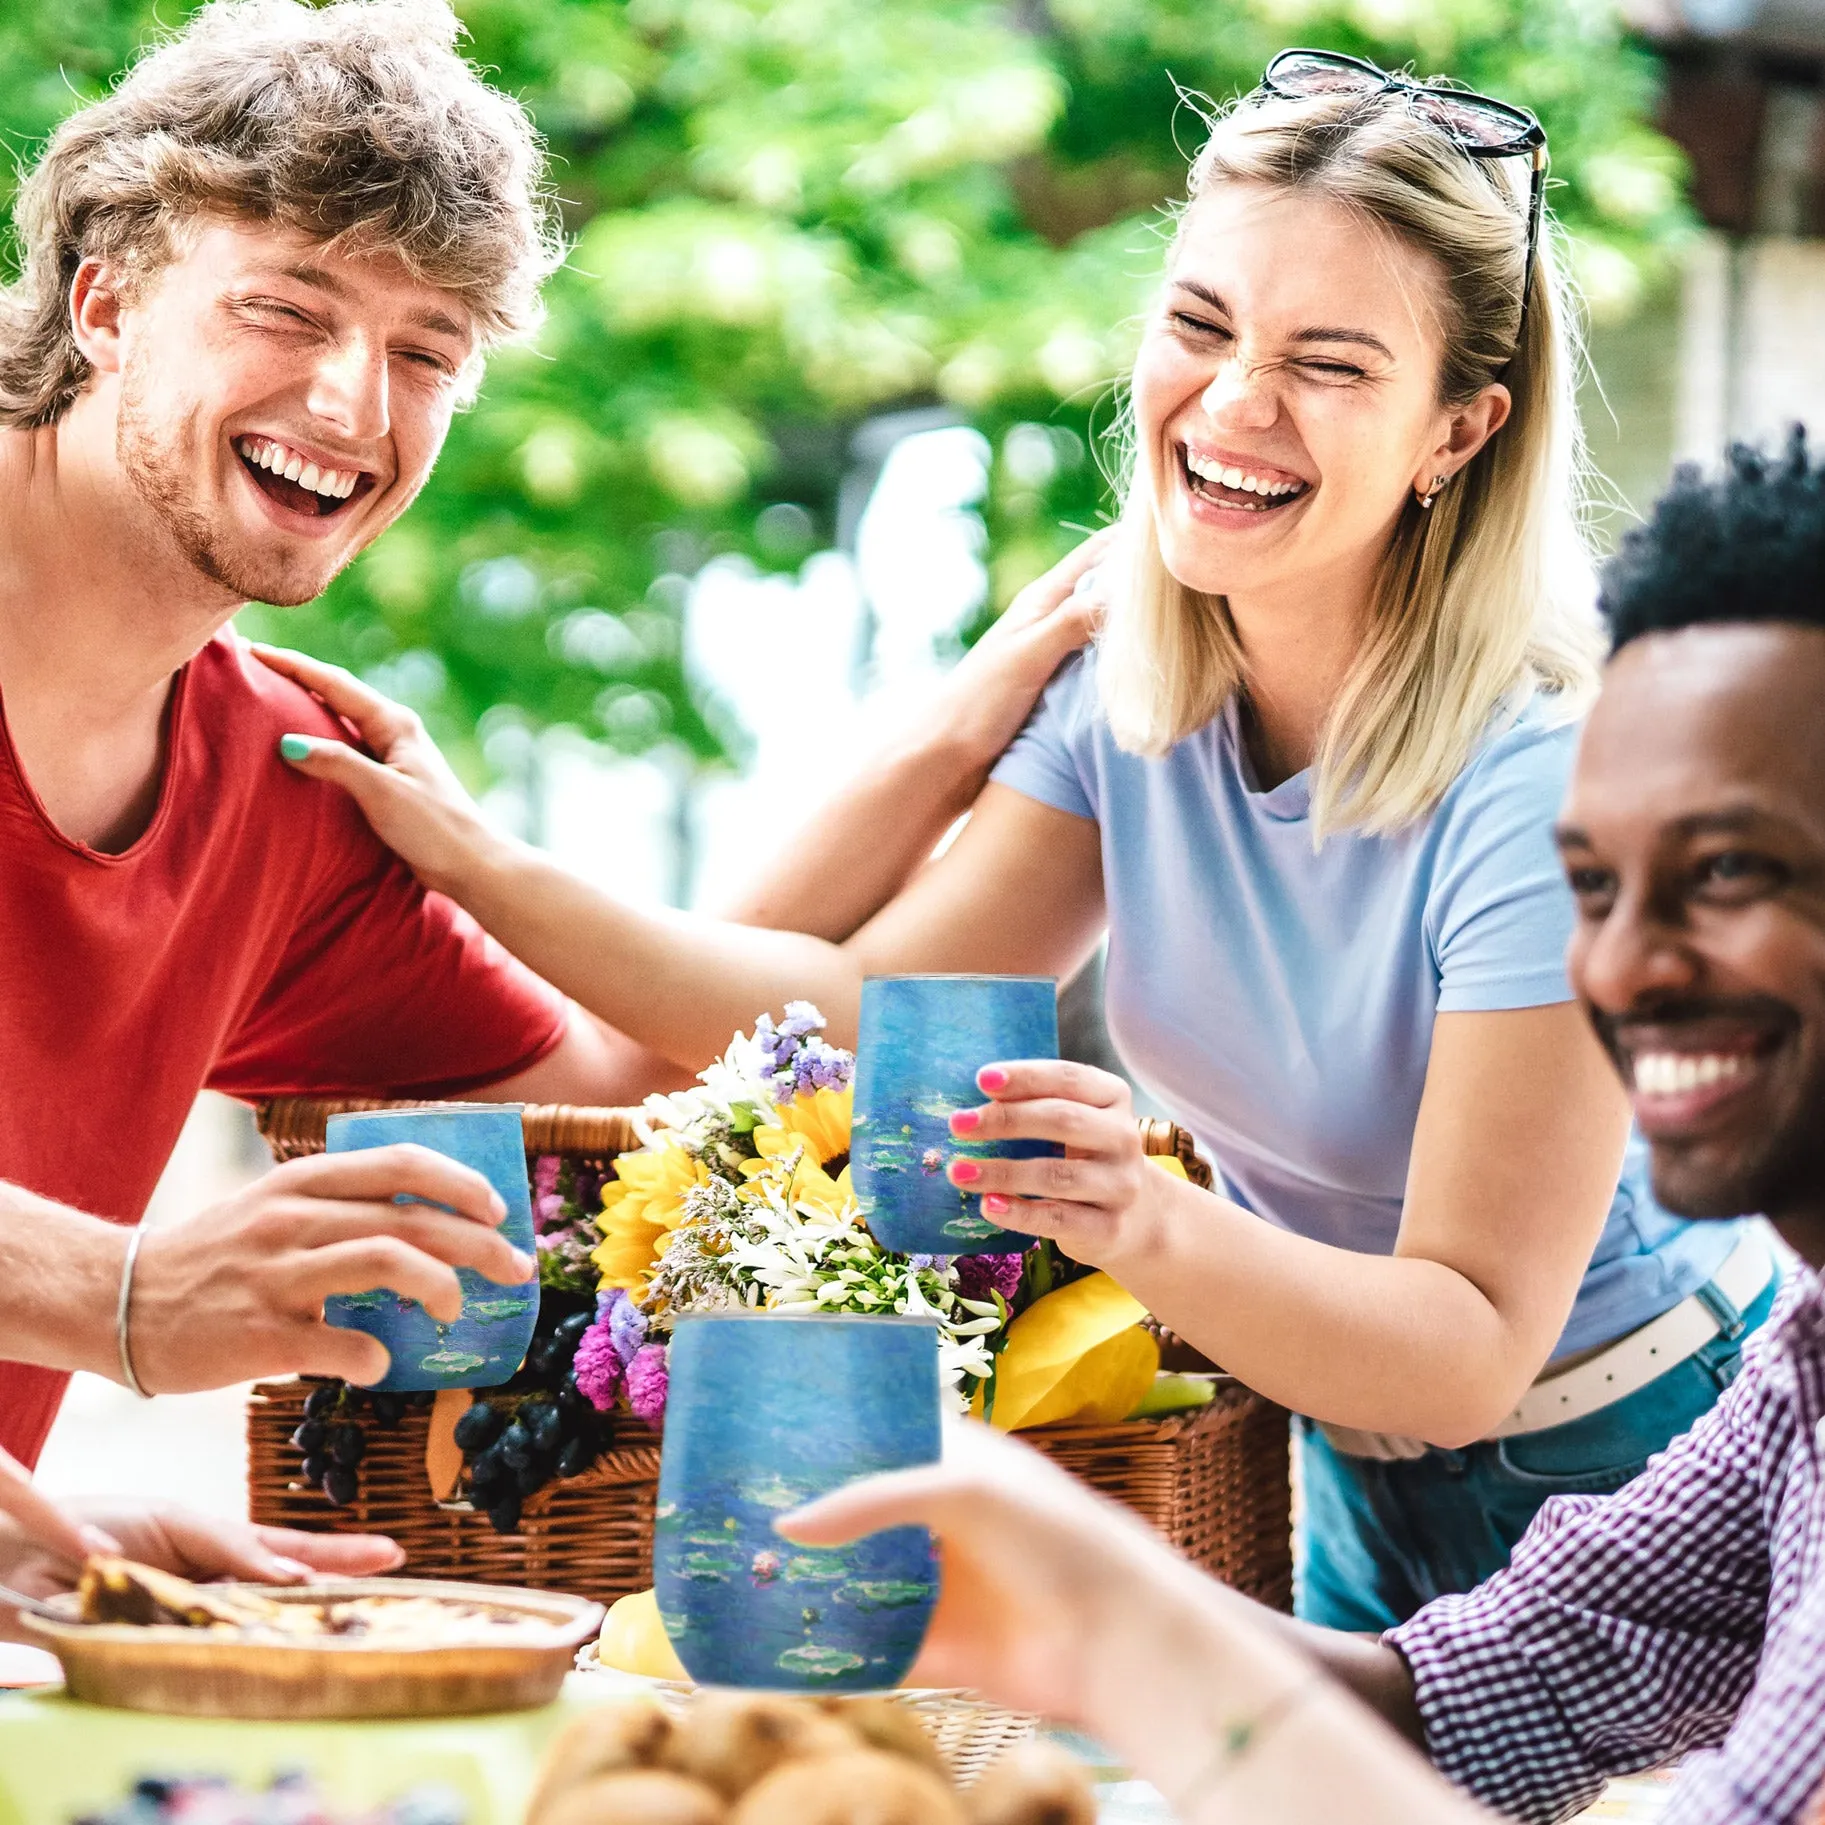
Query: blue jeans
{"x": 1379, "y": 1540}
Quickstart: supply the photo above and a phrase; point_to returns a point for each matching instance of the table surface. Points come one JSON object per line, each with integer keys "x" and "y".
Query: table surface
{"x": 59, "y": 1760}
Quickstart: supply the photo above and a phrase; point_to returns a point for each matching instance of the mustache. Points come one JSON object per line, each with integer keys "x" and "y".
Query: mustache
{"x": 1675, "y": 1011}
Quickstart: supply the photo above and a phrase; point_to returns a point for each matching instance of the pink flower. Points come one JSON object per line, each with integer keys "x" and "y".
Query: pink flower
{"x": 980, "y": 1275}
{"x": 597, "y": 1367}
{"x": 547, "y": 1200}
{"x": 647, "y": 1380}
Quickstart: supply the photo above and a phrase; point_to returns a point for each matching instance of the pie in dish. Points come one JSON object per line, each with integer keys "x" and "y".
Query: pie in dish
{"x": 120, "y": 1591}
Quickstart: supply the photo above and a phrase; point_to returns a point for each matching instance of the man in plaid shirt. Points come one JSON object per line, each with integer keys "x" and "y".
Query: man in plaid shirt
{"x": 1687, "y": 1612}
{"x": 1683, "y": 1616}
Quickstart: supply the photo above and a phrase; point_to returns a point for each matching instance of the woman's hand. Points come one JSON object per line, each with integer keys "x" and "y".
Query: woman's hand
{"x": 993, "y": 688}
{"x": 416, "y": 804}
{"x": 1099, "y": 1203}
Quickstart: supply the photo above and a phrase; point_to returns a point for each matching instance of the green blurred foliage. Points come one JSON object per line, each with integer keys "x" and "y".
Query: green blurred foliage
{"x": 790, "y": 214}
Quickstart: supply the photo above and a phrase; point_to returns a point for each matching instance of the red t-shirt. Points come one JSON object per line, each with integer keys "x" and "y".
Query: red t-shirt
{"x": 257, "y": 939}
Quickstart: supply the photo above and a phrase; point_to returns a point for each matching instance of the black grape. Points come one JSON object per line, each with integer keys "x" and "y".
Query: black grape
{"x": 347, "y": 1445}
{"x": 570, "y": 1332}
{"x": 321, "y": 1398}
{"x": 578, "y": 1455}
{"x": 309, "y": 1437}
{"x": 314, "y": 1467}
{"x": 504, "y": 1515}
{"x": 543, "y": 1421}
{"x": 479, "y": 1427}
{"x": 389, "y": 1410}
{"x": 516, "y": 1446}
{"x": 341, "y": 1485}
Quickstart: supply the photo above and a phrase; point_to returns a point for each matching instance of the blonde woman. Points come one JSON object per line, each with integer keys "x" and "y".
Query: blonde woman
{"x": 1306, "y": 782}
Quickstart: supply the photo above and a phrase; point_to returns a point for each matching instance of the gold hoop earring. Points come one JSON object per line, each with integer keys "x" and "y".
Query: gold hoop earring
{"x": 1438, "y": 482}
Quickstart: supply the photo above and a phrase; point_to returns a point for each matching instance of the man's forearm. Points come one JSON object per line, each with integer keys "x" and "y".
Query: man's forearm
{"x": 1363, "y": 1665}
{"x": 59, "y": 1283}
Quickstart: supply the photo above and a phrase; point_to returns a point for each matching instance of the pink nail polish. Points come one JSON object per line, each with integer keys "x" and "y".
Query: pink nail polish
{"x": 996, "y": 1205}
{"x": 992, "y": 1077}
{"x": 965, "y": 1172}
{"x": 966, "y": 1121}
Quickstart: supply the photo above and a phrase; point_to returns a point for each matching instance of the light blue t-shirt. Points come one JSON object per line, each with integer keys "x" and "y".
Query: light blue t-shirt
{"x": 1279, "y": 1002}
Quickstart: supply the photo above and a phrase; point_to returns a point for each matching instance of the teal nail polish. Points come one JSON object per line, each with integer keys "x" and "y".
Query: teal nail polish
{"x": 295, "y": 747}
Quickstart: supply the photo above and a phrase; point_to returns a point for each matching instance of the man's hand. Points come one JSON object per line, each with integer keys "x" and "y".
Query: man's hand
{"x": 993, "y": 688}
{"x": 1051, "y": 1596}
{"x": 195, "y": 1546}
{"x": 416, "y": 804}
{"x": 237, "y": 1292}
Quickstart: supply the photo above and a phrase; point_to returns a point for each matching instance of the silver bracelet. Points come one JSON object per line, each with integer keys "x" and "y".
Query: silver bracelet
{"x": 120, "y": 1316}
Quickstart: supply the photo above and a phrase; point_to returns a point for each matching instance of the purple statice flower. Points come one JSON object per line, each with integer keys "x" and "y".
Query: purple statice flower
{"x": 797, "y": 1060}
{"x": 647, "y": 1380}
{"x": 778, "y": 1043}
{"x": 547, "y": 1200}
{"x": 980, "y": 1275}
{"x": 597, "y": 1367}
{"x": 625, "y": 1321}
{"x": 627, "y": 1326}
{"x": 938, "y": 1263}
{"x": 820, "y": 1067}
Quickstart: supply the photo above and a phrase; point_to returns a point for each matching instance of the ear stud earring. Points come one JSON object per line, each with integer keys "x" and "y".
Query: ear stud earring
{"x": 1438, "y": 482}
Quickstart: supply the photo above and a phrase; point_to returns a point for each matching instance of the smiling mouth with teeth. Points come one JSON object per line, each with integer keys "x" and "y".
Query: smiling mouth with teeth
{"x": 290, "y": 479}
{"x": 1238, "y": 488}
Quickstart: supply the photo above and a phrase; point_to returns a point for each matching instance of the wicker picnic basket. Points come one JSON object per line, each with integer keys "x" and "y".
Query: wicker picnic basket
{"x": 1213, "y": 1482}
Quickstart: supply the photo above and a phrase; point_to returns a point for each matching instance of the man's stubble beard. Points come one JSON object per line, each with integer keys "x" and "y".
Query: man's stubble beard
{"x": 153, "y": 456}
{"x": 1784, "y": 1173}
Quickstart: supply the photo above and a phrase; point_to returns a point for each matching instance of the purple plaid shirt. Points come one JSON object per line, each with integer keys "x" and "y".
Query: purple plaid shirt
{"x": 1684, "y": 1613}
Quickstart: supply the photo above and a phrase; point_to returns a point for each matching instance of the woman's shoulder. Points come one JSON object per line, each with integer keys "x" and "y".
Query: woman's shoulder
{"x": 1525, "y": 754}
{"x": 1506, "y": 800}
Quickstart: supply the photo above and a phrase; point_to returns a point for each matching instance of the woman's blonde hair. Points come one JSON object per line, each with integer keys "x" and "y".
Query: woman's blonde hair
{"x": 1488, "y": 593}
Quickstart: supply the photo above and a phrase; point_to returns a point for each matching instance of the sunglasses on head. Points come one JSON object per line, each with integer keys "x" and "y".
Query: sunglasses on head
{"x": 1478, "y": 125}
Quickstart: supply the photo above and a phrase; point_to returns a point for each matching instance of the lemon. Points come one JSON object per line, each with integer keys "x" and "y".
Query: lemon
{"x": 634, "y": 1639}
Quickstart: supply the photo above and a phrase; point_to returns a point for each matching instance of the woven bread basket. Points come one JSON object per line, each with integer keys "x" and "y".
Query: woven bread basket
{"x": 969, "y": 1734}
{"x": 1213, "y": 1482}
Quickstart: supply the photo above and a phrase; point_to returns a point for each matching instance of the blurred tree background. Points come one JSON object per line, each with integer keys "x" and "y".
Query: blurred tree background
{"x": 792, "y": 216}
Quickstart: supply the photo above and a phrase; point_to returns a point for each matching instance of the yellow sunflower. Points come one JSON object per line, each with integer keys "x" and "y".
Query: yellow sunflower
{"x": 821, "y": 1120}
{"x": 806, "y": 1183}
{"x": 641, "y": 1206}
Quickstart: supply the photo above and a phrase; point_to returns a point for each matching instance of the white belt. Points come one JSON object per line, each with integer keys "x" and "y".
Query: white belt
{"x": 1626, "y": 1367}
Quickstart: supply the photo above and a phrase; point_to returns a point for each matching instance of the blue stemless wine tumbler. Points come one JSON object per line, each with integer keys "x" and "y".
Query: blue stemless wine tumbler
{"x": 487, "y": 1342}
{"x": 922, "y": 1041}
{"x": 764, "y": 1411}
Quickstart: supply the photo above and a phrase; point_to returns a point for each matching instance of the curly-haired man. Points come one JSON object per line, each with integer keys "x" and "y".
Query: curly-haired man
{"x": 259, "y": 278}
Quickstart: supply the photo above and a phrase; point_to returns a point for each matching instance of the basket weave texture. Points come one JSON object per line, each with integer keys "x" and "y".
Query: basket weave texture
{"x": 969, "y": 1734}
{"x": 1214, "y": 1483}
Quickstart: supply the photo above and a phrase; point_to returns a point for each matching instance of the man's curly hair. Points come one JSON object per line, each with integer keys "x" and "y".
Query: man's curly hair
{"x": 357, "y": 123}
{"x": 1746, "y": 546}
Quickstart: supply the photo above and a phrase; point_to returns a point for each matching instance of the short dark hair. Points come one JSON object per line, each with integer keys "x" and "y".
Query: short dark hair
{"x": 1747, "y": 545}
